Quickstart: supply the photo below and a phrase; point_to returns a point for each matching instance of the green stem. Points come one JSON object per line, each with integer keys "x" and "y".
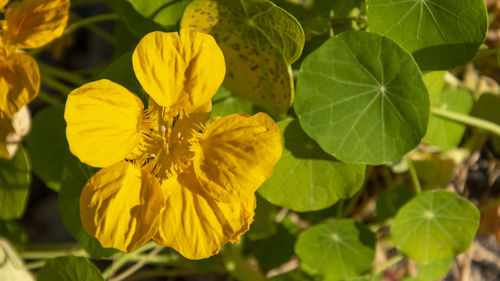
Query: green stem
{"x": 125, "y": 258}
{"x": 131, "y": 270}
{"x": 467, "y": 120}
{"x": 414, "y": 177}
{"x": 61, "y": 73}
{"x": 89, "y": 21}
{"x": 37, "y": 255}
{"x": 55, "y": 84}
{"x": 490, "y": 205}
{"x": 387, "y": 264}
{"x": 340, "y": 208}
{"x": 485, "y": 53}
{"x": 49, "y": 99}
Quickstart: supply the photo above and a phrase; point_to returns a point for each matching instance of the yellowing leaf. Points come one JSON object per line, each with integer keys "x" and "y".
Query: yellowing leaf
{"x": 259, "y": 41}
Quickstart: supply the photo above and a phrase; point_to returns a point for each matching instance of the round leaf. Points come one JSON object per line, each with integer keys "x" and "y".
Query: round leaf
{"x": 362, "y": 98}
{"x": 440, "y": 34}
{"x": 69, "y": 268}
{"x": 435, "y": 225}
{"x": 259, "y": 41}
{"x": 390, "y": 200}
{"x": 306, "y": 178}
{"x": 47, "y": 145}
{"x": 340, "y": 250}
{"x": 15, "y": 179}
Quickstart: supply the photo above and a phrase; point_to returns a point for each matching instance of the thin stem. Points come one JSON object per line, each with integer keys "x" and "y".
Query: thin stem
{"x": 414, "y": 177}
{"x": 55, "y": 84}
{"x": 131, "y": 270}
{"x": 340, "y": 208}
{"x": 49, "y": 99}
{"x": 467, "y": 120}
{"x": 387, "y": 264}
{"x": 490, "y": 205}
{"x": 485, "y": 53}
{"x": 61, "y": 73}
{"x": 37, "y": 255}
{"x": 35, "y": 264}
{"x": 89, "y": 21}
{"x": 125, "y": 258}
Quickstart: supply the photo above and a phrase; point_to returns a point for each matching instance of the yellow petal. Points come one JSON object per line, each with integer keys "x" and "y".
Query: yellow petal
{"x": 3, "y": 3}
{"x": 197, "y": 226}
{"x": 179, "y": 71}
{"x": 104, "y": 122}
{"x": 34, "y": 23}
{"x": 236, "y": 155}
{"x": 119, "y": 205}
{"x": 19, "y": 82}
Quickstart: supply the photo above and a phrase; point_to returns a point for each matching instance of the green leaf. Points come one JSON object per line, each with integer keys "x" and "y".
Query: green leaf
{"x": 434, "y": 270}
{"x": 338, "y": 250}
{"x": 275, "y": 250}
{"x": 47, "y": 145}
{"x": 440, "y": 34}
{"x": 306, "y": 178}
{"x": 166, "y": 13}
{"x": 16, "y": 235}
{"x": 433, "y": 170}
{"x": 15, "y": 179}
{"x": 135, "y": 22}
{"x": 224, "y": 103}
{"x": 74, "y": 178}
{"x": 69, "y": 268}
{"x": 362, "y": 98}
{"x": 435, "y": 225}
{"x": 390, "y": 200}
{"x": 444, "y": 133}
{"x": 259, "y": 41}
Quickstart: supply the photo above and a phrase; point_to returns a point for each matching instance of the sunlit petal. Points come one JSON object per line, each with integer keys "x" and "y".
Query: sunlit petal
{"x": 34, "y": 23}
{"x": 179, "y": 71}
{"x": 197, "y": 226}
{"x": 236, "y": 155}
{"x": 19, "y": 82}
{"x": 119, "y": 205}
{"x": 104, "y": 122}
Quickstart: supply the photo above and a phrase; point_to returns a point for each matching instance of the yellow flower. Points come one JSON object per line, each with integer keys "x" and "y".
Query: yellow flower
{"x": 26, "y": 25}
{"x": 168, "y": 175}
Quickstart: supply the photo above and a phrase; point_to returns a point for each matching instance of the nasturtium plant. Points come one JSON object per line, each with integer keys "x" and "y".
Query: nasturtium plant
{"x": 251, "y": 140}
{"x": 319, "y": 180}
{"x": 435, "y": 225}
{"x": 362, "y": 98}
{"x": 440, "y": 34}
{"x": 259, "y": 40}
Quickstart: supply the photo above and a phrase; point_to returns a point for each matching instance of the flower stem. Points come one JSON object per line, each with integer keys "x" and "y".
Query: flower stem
{"x": 467, "y": 120}
{"x": 61, "y": 73}
{"x": 125, "y": 258}
{"x": 414, "y": 177}
{"x": 49, "y": 99}
{"x": 485, "y": 53}
{"x": 89, "y": 21}
{"x": 131, "y": 270}
{"x": 387, "y": 264}
{"x": 55, "y": 84}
